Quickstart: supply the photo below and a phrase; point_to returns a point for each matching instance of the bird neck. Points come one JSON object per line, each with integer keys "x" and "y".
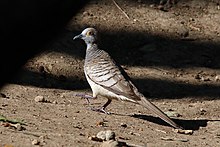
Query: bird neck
{"x": 92, "y": 51}
{"x": 91, "y": 46}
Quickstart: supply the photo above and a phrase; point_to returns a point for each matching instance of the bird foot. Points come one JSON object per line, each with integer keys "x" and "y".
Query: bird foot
{"x": 85, "y": 96}
{"x": 101, "y": 109}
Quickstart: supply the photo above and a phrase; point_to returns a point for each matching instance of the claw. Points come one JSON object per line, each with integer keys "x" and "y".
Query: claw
{"x": 101, "y": 109}
{"x": 85, "y": 96}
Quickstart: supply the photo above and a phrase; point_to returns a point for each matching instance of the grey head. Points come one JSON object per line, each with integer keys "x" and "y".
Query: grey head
{"x": 89, "y": 35}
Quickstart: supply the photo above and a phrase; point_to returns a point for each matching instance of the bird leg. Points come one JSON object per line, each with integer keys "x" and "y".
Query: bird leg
{"x": 102, "y": 108}
{"x": 85, "y": 96}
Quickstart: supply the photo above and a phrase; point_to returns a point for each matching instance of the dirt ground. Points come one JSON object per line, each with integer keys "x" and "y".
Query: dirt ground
{"x": 172, "y": 56}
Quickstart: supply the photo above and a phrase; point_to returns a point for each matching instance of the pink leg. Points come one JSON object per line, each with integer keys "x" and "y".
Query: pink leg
{"x": 86, "y": 96}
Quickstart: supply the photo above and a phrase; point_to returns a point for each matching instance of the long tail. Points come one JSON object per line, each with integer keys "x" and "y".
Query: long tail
{"x": 147, "y": 104}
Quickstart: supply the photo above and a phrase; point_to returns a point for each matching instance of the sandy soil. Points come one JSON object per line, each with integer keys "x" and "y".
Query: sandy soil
{"x": 171, "y": 56}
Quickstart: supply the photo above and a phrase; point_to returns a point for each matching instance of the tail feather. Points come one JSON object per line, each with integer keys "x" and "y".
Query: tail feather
{"x": 147, "y": 104}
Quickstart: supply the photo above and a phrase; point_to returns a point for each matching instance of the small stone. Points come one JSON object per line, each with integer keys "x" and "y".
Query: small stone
{"x": 42, "y": 138}
{"x": 100, "y": 123}
{"x": 3, "y": 95}
{"x": 197, "y": 77}
{"x": 41, "y": 69}
{"x": 184, "y": 33}
{"x": 106, "y": 135}
{"x": 39, "y": 98}
{"x": 85, "y": 13}
{"x": 192, "y": 19}
{"x": 217, "y": 78}
{"x": 123, "y": 125}
{"x": 205, "y": 79}
{"x": 55, "y": 102}
{"x": 202, "y": 111}
{"x": 35, "y": 142}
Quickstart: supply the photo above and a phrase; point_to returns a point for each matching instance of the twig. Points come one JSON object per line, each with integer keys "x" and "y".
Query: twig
{"x": 121, "y": 9}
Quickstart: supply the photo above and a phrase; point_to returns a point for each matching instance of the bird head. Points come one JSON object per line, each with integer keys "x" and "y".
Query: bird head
{"x": 89, "y": 35}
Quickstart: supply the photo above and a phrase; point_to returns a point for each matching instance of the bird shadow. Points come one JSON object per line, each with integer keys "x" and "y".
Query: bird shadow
{"x": 186, "y": 124}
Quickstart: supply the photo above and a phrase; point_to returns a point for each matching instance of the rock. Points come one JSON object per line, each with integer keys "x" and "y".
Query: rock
{"x": 106, "y": 135}
{"x": 39, "y": 98}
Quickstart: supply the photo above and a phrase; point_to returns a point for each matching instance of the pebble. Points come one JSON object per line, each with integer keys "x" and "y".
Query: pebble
{"x": 217, "y": 78}
{"x": 3, "y": 95}
{"x": 123, "y": 125}
{"x": 41, "y": 69}
{"x": 205, "y": 79}
{"x": 35, "y": 142}
{"x": 184, "y": 32}
{"x": 106, "y": 135}
{"x": 55, "y": 102}
{"x": 197, "y": 77}
{"x": 39, "y": 98}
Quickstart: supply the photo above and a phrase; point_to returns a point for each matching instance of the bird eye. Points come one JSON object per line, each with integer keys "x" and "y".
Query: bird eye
{"x": 89, "y": 33}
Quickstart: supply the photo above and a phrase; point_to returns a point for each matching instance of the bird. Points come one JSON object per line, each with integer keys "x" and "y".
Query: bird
{"x": 108, "y": 79}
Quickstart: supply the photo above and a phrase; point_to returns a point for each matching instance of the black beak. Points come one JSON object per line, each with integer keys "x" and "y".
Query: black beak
{"x": 78, "y": 37}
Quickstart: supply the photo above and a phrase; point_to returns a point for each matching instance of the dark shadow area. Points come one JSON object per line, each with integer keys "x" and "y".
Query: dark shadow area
{"x": 141, "y": 49}
{"x": 47, "y": 80}
{"x": 21, "y": 42}
{"x": 186, "y": 124}
{"x": 144, "y": 49}
{"x": 27, "y": 25}
{"x": 155, "y": 88}
{"x": 151, "y": 88}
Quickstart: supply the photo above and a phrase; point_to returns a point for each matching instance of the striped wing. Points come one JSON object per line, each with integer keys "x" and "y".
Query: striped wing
{"x": 104, "y": 72}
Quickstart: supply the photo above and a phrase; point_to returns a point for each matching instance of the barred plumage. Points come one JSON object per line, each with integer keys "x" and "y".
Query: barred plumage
{"x": 108, "y": 79}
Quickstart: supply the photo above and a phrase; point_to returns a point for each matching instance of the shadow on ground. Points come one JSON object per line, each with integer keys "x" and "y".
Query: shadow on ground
{"x": 186, "y": 124}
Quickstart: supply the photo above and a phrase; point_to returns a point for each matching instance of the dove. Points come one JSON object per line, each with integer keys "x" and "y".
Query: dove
{"x": 108, "y": 79}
